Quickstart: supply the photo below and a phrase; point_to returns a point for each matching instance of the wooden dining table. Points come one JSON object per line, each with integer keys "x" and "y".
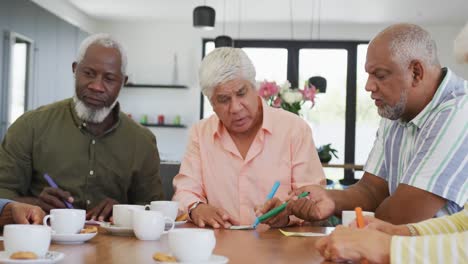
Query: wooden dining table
{"x": 239, "y": 246}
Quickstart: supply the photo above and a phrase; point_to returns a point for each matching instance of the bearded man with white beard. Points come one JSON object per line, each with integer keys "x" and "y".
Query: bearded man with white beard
{"x": 95, "y": 153}
{"x": 417, "y": 167}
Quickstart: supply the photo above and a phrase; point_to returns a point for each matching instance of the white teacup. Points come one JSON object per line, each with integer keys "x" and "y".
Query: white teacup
{"x": 33, "y": 238}
{"x": 122, "y": 214}
{"x": 168, "y": 208}
{"x": 149, "y": 225}
{"x": 66, "y": 221}
{"x": 347, "y": 217}
{"x": 192, "y": 244}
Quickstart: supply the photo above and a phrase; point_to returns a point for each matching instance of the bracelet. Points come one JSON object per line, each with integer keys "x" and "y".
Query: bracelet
{"x": 192, "y": 207}
{"x": 412, "y": 230}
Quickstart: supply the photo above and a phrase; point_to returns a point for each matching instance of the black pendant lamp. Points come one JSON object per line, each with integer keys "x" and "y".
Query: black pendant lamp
{"x": 224, "y": 40}
{"x": 204, "y": 17}
{"x": 319, "y": 82}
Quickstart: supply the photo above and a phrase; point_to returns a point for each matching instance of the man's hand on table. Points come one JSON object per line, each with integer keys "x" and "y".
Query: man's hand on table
{"x": 280, "y": 220}
{"x": 52, "y": 198}
{"x": 317, "y": 206}
{"x": 103, "y": 211}
{"x": 205, "y": 214}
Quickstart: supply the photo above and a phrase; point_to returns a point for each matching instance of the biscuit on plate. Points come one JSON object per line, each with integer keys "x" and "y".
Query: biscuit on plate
{"x": 89, "y": 229}
{"x": 182, "y": 217}
{"x": 158, "y": 256}
{"x": 23, "y": 255}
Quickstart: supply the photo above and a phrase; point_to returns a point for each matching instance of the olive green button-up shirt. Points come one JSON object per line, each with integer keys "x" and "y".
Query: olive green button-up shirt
{"x": 123, "y": 164}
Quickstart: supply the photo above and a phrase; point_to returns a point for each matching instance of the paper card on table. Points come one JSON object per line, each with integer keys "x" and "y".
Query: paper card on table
{"x": 241, "y": 227}
{"x": 302, "y": 234}
{"x": 93, "y": 222}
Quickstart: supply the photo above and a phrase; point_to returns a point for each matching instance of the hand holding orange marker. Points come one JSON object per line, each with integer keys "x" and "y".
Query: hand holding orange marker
{"x": 360, "y": 224}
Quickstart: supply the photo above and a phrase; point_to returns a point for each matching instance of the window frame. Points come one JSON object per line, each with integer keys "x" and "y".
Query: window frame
{"x": 9, "y": 39}
{"x": 293, "y": 47}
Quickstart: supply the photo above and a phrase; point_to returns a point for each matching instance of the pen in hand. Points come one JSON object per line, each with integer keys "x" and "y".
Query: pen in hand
{"x": 269, "y": 197}
{"x": 360, "y": 224}
{"x": 54, "y": 185}
{"x": 275, "y": 211}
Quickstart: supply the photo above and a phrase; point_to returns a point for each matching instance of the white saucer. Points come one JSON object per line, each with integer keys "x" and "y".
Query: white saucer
{"x": 117, "y": 230}
{"x": 72, "y": 238}
{"x": 177, "y": 223}
{"x": 50, "y": 257}
{"x": 214, "y": 259}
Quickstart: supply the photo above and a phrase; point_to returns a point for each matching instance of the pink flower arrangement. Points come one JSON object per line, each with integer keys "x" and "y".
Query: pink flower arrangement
{"x": 290, "y": 99}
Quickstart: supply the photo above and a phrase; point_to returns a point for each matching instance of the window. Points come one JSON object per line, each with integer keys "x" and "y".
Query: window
{"x": 18, "y": 59}
{"x": 327, "y": 117}
{"x": 367, "y": 118}
{"x": 17, "y": 91}
{"x": 334, "y": 117}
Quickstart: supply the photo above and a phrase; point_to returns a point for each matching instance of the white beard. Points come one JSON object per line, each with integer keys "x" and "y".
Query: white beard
{"x": 394, "y": 112}
{"x": 91, "y": 115}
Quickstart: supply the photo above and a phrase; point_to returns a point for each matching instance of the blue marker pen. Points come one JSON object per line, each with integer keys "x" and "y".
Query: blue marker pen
{"x": 269, "y": 197}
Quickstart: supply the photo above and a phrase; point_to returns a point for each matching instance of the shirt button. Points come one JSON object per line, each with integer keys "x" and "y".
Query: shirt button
{"x": 91, "y": 172}
{"x": 84, "y": 124}
{"x": 93, "y": 142}
{"x": 88, "y": 202}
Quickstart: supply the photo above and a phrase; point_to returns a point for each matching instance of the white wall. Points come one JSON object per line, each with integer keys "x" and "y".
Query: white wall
{"x": 152, "y": 45}
{"x": 66, "y": 11}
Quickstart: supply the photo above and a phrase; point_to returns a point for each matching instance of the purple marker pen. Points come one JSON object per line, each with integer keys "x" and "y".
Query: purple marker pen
{"x": 54, "y": 185}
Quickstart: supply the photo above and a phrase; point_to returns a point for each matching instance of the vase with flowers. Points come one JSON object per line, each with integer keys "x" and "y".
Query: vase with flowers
{"x": 290, "y": 99}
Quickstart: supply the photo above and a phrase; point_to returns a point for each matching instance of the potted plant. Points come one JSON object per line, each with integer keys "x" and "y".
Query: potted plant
{"x": 325, "y": 153}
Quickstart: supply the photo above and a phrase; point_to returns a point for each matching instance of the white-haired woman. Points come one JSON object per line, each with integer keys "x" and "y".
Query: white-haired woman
{"x": 235, "y": 156}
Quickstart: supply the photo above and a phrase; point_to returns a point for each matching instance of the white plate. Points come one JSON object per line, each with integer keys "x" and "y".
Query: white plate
{"x": 214, "y": 259}
{"x": 117, "y": 230}
{"x": 50, "y": 257}
{"x": 72, "y": 238}
{"x": 177, "y": 223}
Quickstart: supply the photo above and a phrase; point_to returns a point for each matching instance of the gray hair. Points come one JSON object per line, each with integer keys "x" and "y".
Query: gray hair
{"x": 105, "y": 40}
{"x": 409, "y": 42}
{"x": 222, "y": 65}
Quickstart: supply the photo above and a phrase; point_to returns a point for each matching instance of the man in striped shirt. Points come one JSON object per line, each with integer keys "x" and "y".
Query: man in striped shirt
{"x": 417, "y": 168}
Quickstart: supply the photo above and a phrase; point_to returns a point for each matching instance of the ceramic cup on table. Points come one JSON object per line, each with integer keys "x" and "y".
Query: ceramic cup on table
{"x": 168, "y": 208}
{"x": 149, "y": 225}
{"x": 122, "y": 214}
{"x": 66, "y": 221}
{"x": 32, "y": 238}
{"x": 191, "y": 244}
{"x": 349, "y": 216}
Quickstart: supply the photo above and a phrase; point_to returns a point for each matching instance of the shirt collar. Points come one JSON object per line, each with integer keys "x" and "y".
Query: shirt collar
{"x": 443, "y": 88}
{"x": 267, "y": 124}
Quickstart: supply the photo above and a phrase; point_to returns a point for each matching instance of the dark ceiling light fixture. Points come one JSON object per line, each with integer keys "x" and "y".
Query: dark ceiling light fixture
{"x": 319, "y": 82}
{"x": 204, "y": 17}
{"x": 224, "y": 40}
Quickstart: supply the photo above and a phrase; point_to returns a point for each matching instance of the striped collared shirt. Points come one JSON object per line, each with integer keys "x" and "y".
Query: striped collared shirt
{"x": 430, "y": 151}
